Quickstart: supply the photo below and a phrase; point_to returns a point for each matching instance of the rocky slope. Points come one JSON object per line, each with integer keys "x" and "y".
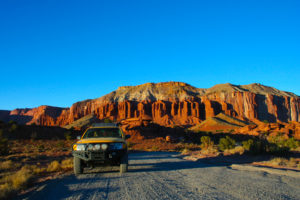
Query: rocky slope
{"x": 172, "y": 103}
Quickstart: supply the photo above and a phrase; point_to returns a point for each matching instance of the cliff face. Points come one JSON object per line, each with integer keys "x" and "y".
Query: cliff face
{"x": 172, "y": 103}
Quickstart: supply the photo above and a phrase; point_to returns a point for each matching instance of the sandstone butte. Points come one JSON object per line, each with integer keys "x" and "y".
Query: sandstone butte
{"x": 171, "y": 103}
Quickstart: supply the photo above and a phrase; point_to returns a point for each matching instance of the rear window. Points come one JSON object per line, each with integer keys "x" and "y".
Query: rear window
{"x": 102, "y": 132}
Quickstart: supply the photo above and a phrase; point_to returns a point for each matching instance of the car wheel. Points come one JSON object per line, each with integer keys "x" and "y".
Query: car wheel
{"x": 78, "y": 169}
{"x": 124, "y": 164}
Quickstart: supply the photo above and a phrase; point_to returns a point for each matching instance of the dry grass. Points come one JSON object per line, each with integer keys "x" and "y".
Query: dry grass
{"x": 185, "y": 151}
{"x": 237, "y": 150}
{"x": 284, "y": 162}
{"x": 54, "y": 166}
{"x": 67, "y": 163}
{"x": 38, "y": 157}
{"x": 211, "y": 151}
{"x": 17, "y": 181}
{"x": 9, "y": 165}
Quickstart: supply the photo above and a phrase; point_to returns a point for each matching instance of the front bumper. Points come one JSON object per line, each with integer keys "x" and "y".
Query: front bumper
{"x": 104, "y": 156}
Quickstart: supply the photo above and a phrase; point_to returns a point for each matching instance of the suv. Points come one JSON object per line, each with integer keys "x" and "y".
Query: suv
{"x": 100, "y": 145}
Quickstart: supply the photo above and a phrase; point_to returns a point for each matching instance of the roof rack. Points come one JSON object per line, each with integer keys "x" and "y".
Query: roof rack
{"x": 105, "y": 125}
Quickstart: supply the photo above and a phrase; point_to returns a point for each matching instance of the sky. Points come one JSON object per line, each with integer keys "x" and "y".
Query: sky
{"x": 59, "y": 52}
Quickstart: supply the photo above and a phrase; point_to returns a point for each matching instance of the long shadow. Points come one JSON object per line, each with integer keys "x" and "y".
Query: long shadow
{"x": 174, "y": 164}
{"x": 59, "y": 188}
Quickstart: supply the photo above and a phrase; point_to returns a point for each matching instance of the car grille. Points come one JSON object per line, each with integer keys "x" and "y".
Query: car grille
{"x": 98, "y": 155}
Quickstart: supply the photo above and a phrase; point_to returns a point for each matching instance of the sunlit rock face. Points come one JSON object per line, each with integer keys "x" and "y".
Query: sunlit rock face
{"x": 171, "y": 103}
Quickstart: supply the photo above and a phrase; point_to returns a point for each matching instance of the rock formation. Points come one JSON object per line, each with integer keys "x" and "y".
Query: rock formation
{"x": 172, "y": 103}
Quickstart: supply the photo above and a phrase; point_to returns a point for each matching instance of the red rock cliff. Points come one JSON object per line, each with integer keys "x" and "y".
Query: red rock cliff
{"x": 173, "y": 103}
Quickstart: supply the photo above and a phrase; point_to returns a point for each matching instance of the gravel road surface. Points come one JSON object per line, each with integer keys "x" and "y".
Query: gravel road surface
{"x": 160, "y": 175}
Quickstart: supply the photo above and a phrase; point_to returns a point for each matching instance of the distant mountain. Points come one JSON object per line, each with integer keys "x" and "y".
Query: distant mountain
{"x": 172, "y": 103}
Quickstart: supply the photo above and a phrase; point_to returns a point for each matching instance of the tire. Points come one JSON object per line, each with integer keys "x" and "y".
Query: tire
{"x": 124, "y": 164}
{"x": 78, "y": 169}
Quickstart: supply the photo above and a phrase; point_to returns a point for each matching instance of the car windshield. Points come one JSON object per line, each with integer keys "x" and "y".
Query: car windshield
{"x": 102, "y": 132}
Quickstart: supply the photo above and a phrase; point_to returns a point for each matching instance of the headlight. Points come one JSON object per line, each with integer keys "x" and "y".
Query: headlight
{"x": 116, "y": 146}
{"x": 79, "y": 147}
{"x": 97, "y": 147}
{"x": 104, "y": 146}
{"x": 90, "y": 147}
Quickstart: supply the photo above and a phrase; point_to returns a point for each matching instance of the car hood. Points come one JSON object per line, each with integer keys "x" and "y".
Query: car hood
{"x": 100, "y": 140}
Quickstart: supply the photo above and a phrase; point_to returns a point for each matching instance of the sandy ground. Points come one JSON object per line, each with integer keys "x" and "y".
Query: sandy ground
{"x": 161, "y": 175}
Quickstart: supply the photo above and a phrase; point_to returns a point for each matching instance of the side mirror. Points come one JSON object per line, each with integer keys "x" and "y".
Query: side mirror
{"x": 78, "y": 137}
{"x": 127, "y": 136}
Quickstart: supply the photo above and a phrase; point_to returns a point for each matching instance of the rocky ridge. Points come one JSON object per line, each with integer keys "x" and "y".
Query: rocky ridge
{"x": 172, "y": 103}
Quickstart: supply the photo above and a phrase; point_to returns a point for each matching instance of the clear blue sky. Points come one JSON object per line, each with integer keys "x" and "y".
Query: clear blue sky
{"x": 59, "y": 52}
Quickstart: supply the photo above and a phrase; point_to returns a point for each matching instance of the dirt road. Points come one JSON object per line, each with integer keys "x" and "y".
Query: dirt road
{"x": 158, "y": 175}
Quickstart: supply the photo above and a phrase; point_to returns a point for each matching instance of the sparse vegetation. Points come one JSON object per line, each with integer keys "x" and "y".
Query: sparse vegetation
{"x": 284, "y": 162}
{"x": 8, "y": 165}
{"x": 3, "y": 144}
{"x": 248, "y": 145}
{"x": 282, "y": 142}
{"x": 11, "y": 183}
{"x": 54, "y": 166}
{"x": 206, "y": 142}
{"x": 237, "y": 150}
{"x": 226, "y": 143}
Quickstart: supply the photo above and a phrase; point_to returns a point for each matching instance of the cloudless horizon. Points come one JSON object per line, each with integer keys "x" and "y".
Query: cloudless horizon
{"x": 59, "y": 52}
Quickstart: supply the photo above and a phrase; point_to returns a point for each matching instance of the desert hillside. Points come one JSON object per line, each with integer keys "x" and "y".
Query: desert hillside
{"x": 171, "y": 103}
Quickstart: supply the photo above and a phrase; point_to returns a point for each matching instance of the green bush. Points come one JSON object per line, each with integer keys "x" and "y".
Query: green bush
{"x": 291, "y": 143}
{"x": 226, "y": 143}
{"x": 206, "y": 142}
{"x": 248, "y": 144}
{"x": 282, "y": 142}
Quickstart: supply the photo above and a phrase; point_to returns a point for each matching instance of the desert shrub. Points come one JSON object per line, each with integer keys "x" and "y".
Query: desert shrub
{"x": 8, "y": 164}
{"x": 237, "y": 150}
{"x": 248, "y": 144}
{"x": 291, "y": 143}
{"x": 3, "y": 144}
{"x": 154, "y": 148}
{"x": 281, "y": 145}
{"x": 67, "y": 163}
{"x": 41, "y": 147}
{"x": 185, "y": 151}
{"x": 53, "y": 166}
{"x": 206, "y": 142}
{"x": 226, "y": 143}
{"x": 284, "y": 162}
{"x": 68, "y": 135}
{"x": 37, "y": 169}
{"x": 11, "y": 183}
{"x": 210, "y": 151}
